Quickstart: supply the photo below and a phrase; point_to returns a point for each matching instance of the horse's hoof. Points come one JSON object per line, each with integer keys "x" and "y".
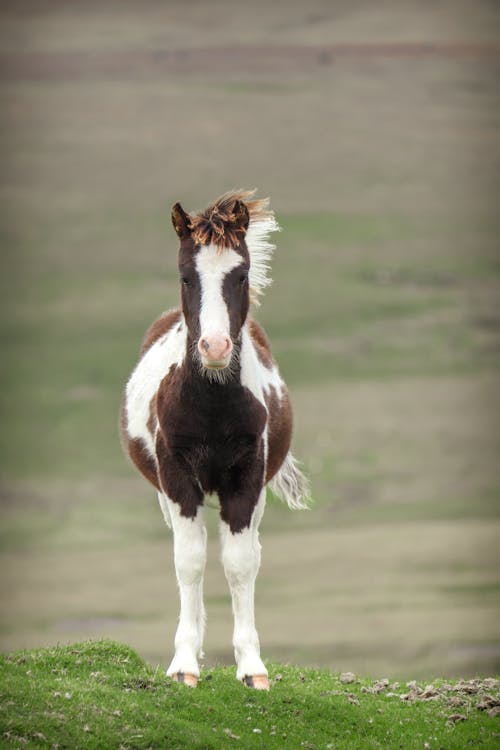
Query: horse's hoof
{"x": 186, "y": 678}
{"x": 256, "y": 681}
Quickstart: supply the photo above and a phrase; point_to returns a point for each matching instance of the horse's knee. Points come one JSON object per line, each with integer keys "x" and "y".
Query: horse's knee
{"x": 190, "y": 558}
{"x": 240, "y": 556}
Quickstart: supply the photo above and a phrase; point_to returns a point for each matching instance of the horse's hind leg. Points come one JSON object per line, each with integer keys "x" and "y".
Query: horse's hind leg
{"x": 241, "y": 560}
{"x": 190, "y": 546}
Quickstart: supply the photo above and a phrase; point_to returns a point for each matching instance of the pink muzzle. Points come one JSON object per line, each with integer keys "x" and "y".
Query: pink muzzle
{"x": 215, "y": 350}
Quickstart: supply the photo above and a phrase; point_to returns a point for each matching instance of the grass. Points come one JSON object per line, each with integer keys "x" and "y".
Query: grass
{"x": 102, "y": 694}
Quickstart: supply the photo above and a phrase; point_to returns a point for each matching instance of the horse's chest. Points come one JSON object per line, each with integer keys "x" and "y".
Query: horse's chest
{"x": 213, "y": 429}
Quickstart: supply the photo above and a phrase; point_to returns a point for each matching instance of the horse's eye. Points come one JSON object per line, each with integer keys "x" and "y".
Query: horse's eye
{"x": 243, "y": 279}
{"x": 185, "y": 281}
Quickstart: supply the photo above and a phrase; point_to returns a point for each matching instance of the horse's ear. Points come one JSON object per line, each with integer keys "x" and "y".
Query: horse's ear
{"x": 181, "y": 221}
{"x": 241, "y": 215}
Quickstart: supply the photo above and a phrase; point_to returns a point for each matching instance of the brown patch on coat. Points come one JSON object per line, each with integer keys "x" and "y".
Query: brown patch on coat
{"x": 143, "y": 460}
{"x": 153, "y": 420}
{"x": 137, "y": 450}
{"x": 261, "y": 344}
{"x": 210, "y": 441}
{"x": 235, "y": 293}
{"x": 159, "y": 328}
{"x": 224, "y": 223}
{"x": 280, "y": 423}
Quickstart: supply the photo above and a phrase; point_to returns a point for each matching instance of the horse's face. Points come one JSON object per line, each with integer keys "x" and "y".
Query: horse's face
{"x": 214, "y": 290}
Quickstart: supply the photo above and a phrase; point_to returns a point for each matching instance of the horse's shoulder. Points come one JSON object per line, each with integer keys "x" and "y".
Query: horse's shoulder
{"x": 261, "y": 343}
{"x": 159, "y": 328}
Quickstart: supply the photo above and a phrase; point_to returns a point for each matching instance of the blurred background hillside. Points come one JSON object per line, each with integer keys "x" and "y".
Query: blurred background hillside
{"x": 375, "y": 130}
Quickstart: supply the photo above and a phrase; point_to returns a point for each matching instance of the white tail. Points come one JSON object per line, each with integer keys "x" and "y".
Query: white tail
{"x": 291, "y": 485}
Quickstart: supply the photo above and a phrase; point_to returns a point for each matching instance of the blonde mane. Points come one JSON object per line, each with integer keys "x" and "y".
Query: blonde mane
{"x": 218, "y": 225}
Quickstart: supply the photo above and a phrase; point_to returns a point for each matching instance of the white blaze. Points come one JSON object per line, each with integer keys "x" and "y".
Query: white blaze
{"x": 213, "y": 265}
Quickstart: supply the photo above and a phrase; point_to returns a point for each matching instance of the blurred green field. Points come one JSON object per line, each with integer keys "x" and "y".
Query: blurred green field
{"x": 383, "y": 315}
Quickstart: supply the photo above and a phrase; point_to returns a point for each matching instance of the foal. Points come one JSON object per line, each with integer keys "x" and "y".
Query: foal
{"x": 206, "y": 411}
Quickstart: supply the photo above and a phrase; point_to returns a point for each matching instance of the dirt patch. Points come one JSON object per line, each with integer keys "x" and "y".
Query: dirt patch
{"x": 465, "y": 695}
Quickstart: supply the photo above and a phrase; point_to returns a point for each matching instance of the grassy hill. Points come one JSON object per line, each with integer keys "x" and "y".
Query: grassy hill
{"x": 103, "y": 695}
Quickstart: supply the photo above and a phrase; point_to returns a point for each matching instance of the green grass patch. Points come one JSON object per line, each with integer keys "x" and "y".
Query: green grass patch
{"x": 101, "y": 694}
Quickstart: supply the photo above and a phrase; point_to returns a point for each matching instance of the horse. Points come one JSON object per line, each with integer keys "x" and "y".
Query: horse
{"x": 206, "y": 411}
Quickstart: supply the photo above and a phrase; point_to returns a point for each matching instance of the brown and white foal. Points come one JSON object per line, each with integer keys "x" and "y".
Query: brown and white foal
{"x": 206, "y": 411}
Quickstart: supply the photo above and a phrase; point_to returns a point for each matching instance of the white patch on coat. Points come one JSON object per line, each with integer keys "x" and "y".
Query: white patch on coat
{"x": 168, "y": 350}
{"x": 257, "y": 377}
{"x": 213, "y": 266}
{"x": 289, "y": 483}
{"x": 251, "y": 375}
{"x": 254, "y": 374}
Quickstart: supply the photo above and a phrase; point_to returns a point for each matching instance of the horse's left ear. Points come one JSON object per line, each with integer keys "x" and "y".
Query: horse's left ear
{"x": 181, "y": 221}
{"x": 241, "y": 215}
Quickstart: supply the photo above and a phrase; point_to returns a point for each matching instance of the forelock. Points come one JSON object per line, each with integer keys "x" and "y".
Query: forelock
{"x": 217, "y": 225}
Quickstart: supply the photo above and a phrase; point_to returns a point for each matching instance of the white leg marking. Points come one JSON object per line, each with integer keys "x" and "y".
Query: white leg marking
{"x": 162, "y": 499}
{"x": 241, "y": 561}
{"x": 190, "y": 552}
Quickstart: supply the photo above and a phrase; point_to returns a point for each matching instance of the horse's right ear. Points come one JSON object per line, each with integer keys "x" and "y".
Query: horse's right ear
{"x": 181, "y": 221}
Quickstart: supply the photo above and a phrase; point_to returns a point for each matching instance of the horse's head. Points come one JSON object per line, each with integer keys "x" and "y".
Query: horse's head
{"x": 214, "y": 266}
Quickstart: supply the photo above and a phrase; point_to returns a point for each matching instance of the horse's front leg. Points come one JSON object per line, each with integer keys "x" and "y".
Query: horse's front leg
{"x": 241, "y": 561}
{"x": 190, "y": 551}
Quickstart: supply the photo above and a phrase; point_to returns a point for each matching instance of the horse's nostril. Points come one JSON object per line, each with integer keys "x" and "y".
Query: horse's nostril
{"x": 215, "y": 347}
